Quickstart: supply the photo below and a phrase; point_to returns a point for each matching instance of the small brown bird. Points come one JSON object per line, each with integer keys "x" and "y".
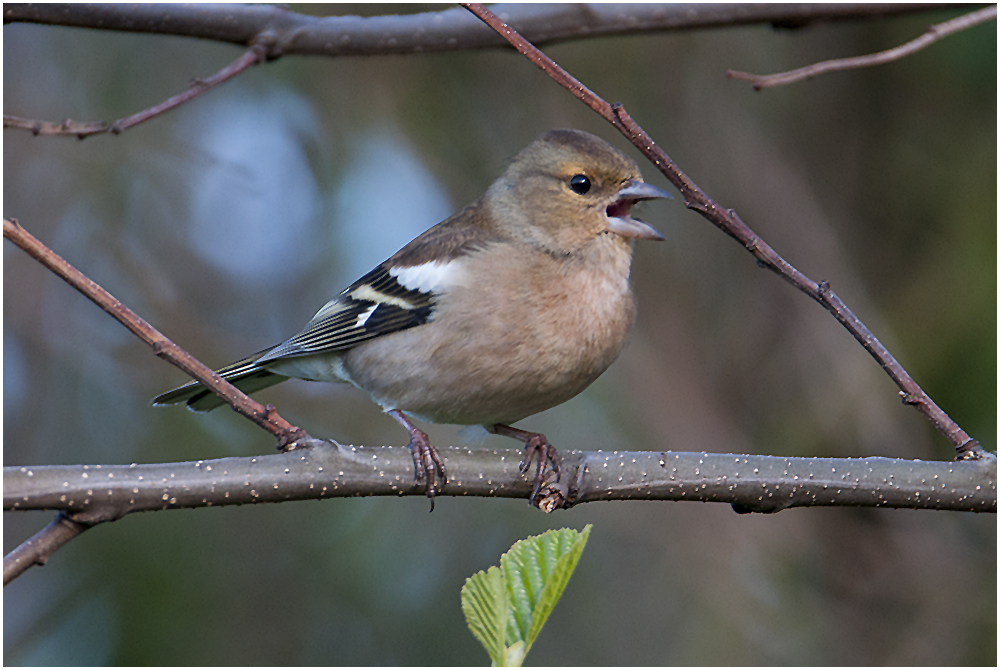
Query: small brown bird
{"x": 513, "y": 305}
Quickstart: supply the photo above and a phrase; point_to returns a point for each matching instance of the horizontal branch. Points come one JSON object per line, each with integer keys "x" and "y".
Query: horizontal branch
{"x": 95, "y": 493}
{"x": 448, "y": 30}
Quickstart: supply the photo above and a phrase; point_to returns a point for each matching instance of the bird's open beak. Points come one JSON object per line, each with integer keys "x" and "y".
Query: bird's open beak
{"x": 621, "y": 223}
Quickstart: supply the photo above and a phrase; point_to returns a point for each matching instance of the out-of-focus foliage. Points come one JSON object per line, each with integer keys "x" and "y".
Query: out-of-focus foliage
{"x": 227, "y": 223}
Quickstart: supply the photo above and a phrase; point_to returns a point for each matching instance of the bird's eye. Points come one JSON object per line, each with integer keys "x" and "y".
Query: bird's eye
{"x": 579, "y": 183}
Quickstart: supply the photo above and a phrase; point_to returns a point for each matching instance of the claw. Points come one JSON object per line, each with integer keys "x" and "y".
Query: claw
{"x": 536, "y": 447}
{"x": 427, "y": 463}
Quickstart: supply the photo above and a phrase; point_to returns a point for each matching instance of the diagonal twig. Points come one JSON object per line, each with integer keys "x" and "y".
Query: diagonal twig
{"x": 730, "y": 223}
{"x": 934, "y": 33}
{"x": 41, "y": 546}
{"x": 265, "y": 417}
{"x": 257, "y": 53}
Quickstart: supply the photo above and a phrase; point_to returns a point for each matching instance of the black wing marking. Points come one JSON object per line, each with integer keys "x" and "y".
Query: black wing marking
{"x": 375, "y": 305}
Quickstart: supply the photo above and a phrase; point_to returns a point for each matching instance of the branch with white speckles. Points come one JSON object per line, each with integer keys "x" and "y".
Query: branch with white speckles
{"x": 752, "y": 483}
{"x": 86, "y": 495}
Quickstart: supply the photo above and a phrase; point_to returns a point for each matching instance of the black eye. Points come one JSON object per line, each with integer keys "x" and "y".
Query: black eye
{"x": 579, "y": 183}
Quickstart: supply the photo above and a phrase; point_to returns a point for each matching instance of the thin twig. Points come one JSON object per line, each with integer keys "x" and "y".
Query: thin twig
{"x": 731, "y": 224}
{"x": 257, "y": 53}
{"x": 933, "y": 34}
{"x": 37, "y": 549}
{"x": 264, "y": 417}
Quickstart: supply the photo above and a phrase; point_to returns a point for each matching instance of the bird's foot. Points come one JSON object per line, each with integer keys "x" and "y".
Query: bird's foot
{"x": 538, "y": 448}
{"x": 427, "y": 463}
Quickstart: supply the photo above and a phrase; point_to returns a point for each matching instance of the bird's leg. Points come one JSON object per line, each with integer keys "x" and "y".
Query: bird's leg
{"x": 536, "y": 446}
{"x": 427, "y": 463}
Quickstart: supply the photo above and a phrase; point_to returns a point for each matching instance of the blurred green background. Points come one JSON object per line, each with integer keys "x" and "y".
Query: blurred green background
{"x": 228, "y": 222}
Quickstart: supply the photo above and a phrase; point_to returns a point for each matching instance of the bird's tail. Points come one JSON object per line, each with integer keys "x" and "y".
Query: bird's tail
{"x": 246, "y": 375}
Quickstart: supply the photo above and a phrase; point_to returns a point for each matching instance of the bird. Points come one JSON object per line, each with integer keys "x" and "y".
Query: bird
{"x": 511, "y": 306}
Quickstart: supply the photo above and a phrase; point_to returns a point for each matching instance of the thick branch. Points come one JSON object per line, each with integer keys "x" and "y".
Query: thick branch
{"x": 89, "y": 494}
{"x": 449, "y": 30}
{"x": 933, "y": 34}
{"x": 731, "y": 224}
{"x": 753, "y": 483}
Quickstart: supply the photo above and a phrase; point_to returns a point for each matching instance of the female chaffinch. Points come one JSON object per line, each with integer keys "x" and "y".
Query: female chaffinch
{"x": 511, "y": 306}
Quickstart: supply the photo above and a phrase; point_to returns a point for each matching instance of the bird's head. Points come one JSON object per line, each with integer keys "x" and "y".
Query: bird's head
{"x": 568, "y": 187}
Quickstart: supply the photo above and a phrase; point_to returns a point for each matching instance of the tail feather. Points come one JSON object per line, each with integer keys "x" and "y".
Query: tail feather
{"x": 246, "y": 375}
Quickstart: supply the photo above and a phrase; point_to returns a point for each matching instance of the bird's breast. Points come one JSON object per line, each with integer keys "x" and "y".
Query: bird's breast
{"x": 539, "y": 332}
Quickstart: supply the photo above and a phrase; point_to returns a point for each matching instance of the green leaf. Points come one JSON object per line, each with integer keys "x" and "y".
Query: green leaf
{"x": 536, "y": 571}
{"x": 506, "y": 607}
{"x": 485, "y": 604}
